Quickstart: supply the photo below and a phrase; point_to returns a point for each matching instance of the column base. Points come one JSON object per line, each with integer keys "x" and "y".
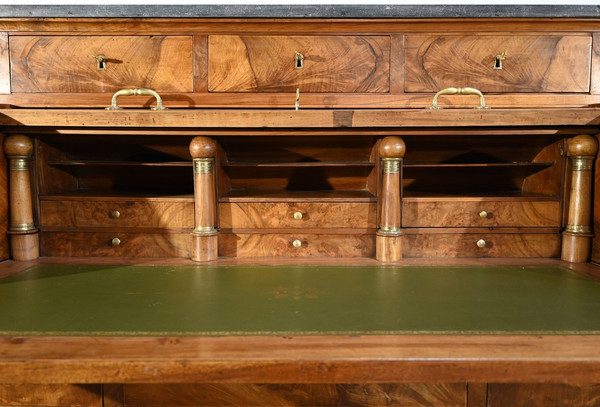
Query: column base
{"x": 25, "y": 247}
{"x": 204, "y": 247}
{"x": 388, "y": 247}
{"x": 576, "y": 247}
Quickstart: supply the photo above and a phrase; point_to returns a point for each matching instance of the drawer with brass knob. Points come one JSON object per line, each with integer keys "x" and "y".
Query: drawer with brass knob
{"x": 442, "y": 212}
{"x": 242, "y": 215}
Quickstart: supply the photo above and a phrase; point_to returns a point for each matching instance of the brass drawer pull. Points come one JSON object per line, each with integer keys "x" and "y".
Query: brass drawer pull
{"x": 116, "y": 241}
{"x": 115, "y": 214}
{"x": 297, "y": 243}
{"x": 298, "y": 215}
{"x": 481, "y": 243}
{"x": 134, "y": 92}
{"x": 483, "y": 214}
{"x": 458, "y": 91}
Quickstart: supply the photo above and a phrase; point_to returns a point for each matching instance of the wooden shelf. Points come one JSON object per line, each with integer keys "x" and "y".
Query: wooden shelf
{"x": 411, "y": 195}
{"x": 83, "y": 163}
{"x": 295, "y": 196}
{"x": 540, "y": 165}
{"x": 309, "y": 164}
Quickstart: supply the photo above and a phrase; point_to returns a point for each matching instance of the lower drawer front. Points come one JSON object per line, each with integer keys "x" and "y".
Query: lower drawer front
{"x": 296, "y": 245}
{"x": 297, "y": 215}
{"x": 126, "y": 244}
{"x": 440, "y": 213}
{"x": 118, "y": 213}
{"x": 481, "y": 245}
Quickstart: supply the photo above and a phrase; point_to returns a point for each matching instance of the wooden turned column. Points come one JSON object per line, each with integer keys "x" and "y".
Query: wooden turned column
{"x": 24, "y": 237}
{"x": 389, "y": 235}
{"x": 577, "y": 237}
{"x": 204, "y": 240}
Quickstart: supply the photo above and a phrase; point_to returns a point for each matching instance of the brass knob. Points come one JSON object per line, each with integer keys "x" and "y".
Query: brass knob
{"x": 115, "y": 214}
{"x": 297, "y": 243}
{"x": 116, "y": 241}
{"x": 481, "y": 243}
{"x": 298, "y": 215}
{"x": 483, "y": 214}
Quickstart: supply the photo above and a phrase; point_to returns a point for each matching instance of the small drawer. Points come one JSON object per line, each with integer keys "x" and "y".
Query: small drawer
{"x": 67, "y": 64}
{"x": 541, "y": 245}
{"x": 244, "y": 215}
{"x": 82, "y": 244}
{"x": 117, "y": 213}
{"x": 479, "y": 213}
{"x": 348, "y": 64}
{"x": 543, "y": 63}
{"x": 296, "y": 245}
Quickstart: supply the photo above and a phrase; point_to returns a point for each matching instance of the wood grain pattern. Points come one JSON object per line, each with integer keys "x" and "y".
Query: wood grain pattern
{"x": 550, "y": 63}
{"x": 543, "y": 395}
{"x": 4, "y": 250}
{"x": 51, "y": 395}
{"x": 595, "y": 78}
{"x": 596, "y": 209}
{"x": 267, "y": 64}
{"x": 138, "y": 213}
{"x": 4, "y": 64}
{"x": 499, "y": 244}
{"x": 281, "y": 215}
{"x": 431, "y": 212}
{"x": 161, "y": 63}
{"x": 301, "y": 359}
{"x": 281, "y": 245}
{"x": 243, "y": 395}
{"x": 100, "y": 244}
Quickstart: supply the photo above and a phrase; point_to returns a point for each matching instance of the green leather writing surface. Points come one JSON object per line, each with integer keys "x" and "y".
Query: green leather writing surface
{"x": 277, "y": 300}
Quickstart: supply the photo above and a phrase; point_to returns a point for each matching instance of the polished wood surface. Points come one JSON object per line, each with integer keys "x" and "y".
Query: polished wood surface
{"x": 242, "y": 395}
{"x": 52, "y": 395}
{"x": 542, "y": 395}
{"x": 464, "y": 243}
{"x": 340, "y": 64}
{"x": 4, "y": 64}
{"x": 549, "y": 63}
{"x": 162, "y": 63}
{"x": 449, "y": 212}
{"x": 297, "y": 215}
{"x": 4, "y": 216}
{"x": 596, "y": 211}
{"x": 319, "y": 243}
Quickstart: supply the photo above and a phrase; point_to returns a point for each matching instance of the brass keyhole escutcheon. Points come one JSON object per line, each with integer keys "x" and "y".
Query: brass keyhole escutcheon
{"x": 100, "y": 62}
{"x": 298, "y": 60}
{"x": 498, "y": 60}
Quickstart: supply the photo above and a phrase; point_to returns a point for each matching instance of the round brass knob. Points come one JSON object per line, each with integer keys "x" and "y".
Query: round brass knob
{"x": 115, "y": 214}
{"x": 297, "y": 215}
{"x": 116, "y": 241}
{"x": 297, "y": 243}
{"x": 481, "y": 243}
{"x": 483, "y": 214}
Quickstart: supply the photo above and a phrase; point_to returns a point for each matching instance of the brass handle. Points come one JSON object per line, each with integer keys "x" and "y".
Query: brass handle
{"x": 115, "y": 214}
{"x": 116, "y": 241}
{"x": 134, "y": 92}
{"x": 459, "y": 91}
{"x": 483, "y": 214}
{"x": 296, "y": 243}
{"x": 481, "y": 243}
{"x": 298, "y": 215}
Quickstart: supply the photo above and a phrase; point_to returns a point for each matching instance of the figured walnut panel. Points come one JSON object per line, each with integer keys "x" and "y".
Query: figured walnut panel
{"x": 459, "y": 213}
{"x": 543, "y": 395}
{"x": 413, "y": 395}
{"x": 281, "y": 245}
{"x": 550, "y": 63}
{"x": 140, "y": 213}
{"x": 4, "y": 64}
{"x": 497, "y": 245}
{"x": 596, "y": 209}
{"x": 64, "y": 64}
{"x": 51, "y": 395}
{"x": 100, "y": 244}
{"x": 267, "y": 64}
{"x": 312, "y": 215}
{"x": 4, "y": 251}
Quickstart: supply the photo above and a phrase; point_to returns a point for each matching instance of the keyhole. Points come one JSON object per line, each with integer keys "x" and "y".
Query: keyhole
{"x": 498, "y": 62}
{"x": 101, "y": 65}
{"x": 299, "y": 60}
{"x": 299, "y": 63}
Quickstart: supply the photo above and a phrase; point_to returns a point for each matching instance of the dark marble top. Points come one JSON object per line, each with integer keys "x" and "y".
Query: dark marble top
{"x": 301, "y": 11}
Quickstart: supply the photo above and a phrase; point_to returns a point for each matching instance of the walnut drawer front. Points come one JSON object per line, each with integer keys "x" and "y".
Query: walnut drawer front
{"x": 66, "y": 64}
{"x": 542, "y": 63}
{"x": 349, "y": 244}
{"x": 246, "y": 215}
{"x": 481, "y": 244}
{"x": 117, "y": 213}
{"x": 270, "y": 63}
{"x": 485, "y": 213}
{"x": 115, "y": 244}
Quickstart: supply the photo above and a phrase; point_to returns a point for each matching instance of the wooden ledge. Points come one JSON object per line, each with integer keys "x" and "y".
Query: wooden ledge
{"x": 309, "y": 118}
